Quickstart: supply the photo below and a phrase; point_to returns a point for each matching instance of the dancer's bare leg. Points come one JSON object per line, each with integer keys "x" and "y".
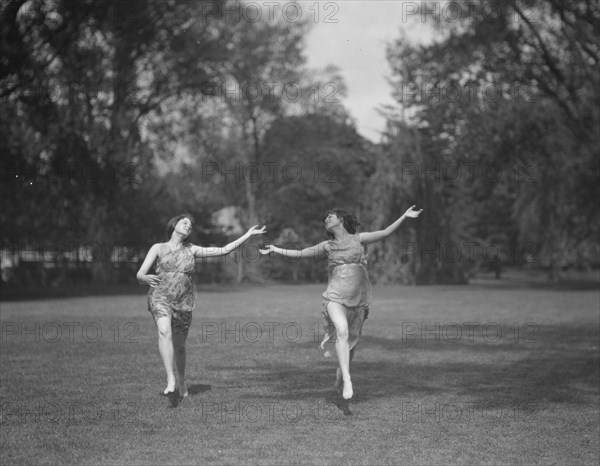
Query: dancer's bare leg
{"x": 337, "y": 314}
{"x": 180, "y": 356}
{"x": 354, "y": 331}
{"x": 338, "y": 372}
{"x": 338, "y": 379}
{"x": 165, "y": 348}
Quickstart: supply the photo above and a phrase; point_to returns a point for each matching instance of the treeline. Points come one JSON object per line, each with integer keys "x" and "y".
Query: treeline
{"x": 497, "y": 139}
{"x": 118, "y": 115}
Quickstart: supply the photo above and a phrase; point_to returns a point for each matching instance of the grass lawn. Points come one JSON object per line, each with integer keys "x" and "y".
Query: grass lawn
{"x": 490, "y": 373}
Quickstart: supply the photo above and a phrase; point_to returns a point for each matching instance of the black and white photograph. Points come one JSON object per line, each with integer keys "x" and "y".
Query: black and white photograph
{"x": 299, "y": 232}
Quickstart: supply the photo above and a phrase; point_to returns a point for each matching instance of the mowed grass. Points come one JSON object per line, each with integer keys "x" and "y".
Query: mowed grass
{"x": 490, "y": 373}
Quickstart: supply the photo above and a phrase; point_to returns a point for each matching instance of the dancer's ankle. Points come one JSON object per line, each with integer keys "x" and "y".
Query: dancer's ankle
{"x": 183, "y": 391}
{"x": 347, "y": 392}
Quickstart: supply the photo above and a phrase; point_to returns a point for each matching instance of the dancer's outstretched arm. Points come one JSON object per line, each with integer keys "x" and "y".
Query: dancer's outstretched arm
{"x": 317, "y": 250}
{"x": 200, "y": 251}
{"x": 373, "y": 236}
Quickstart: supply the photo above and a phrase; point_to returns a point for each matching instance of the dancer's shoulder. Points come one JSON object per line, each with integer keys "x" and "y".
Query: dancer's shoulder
{"x": 327, "y": 244}
{"x": 159, "y": 248}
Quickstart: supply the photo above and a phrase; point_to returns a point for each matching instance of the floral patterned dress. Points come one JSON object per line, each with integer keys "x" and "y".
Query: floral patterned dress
{"x": 174, "y": 296}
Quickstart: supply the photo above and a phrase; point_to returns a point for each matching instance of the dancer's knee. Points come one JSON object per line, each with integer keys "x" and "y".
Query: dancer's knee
{"x": 164, "y": 329}
{"x": 342, "y": 333}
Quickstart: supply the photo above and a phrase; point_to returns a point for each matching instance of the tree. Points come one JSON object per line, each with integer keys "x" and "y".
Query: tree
{"x": 83, "y": 76}
{"x": 520, "y": 96}
{"x": 318, "y": 162}
{"x": 264, "y": 66}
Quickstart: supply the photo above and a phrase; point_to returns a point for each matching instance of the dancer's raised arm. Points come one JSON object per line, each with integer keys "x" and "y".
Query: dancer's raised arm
{"x": 373, "y": 236}
{"x": 200, "y": 251}
{"x": 317, "y": 250}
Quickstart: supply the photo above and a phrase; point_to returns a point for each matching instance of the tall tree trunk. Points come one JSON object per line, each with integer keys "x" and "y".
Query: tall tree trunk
{"x": 251, "y": 217}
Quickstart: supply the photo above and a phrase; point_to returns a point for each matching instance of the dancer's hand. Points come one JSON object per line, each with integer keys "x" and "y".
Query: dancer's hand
{"x": 151, "y": 280}
{"x": 256, "y": 231}
{"x": 269, "y": 248}
{"x": 412, "y": 213}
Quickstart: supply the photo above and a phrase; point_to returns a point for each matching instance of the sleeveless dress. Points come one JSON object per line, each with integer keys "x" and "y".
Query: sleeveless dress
{"x": 348, "y": 285}
{"x": 174, "y": 296}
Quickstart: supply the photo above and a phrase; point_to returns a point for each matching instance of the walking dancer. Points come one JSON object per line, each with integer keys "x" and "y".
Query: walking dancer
{"x": 171, "y": 295}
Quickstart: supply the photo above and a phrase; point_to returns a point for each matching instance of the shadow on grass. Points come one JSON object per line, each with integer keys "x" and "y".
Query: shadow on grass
{"x": 561, "y": 366}
{"x": 342, "y": 404}
{"x": 198, "y": 388}
{"x": 175, "y": 399}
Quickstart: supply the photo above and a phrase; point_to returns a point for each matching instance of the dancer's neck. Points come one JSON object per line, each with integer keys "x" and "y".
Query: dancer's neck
{"x": 341, "y": 235}
{"x": 175, "y": 242}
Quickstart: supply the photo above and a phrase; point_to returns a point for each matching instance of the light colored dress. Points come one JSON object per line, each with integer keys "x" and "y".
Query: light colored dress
{"x": 174, "y": 296}
{"x": 348, "y": 285}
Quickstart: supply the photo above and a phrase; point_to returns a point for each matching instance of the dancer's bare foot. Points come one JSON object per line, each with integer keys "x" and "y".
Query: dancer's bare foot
{"x": 183, "y": 391}
{"x": 347, "y": 393}
{"x": 170, "y": 386}
{"x": 338, "y": 379}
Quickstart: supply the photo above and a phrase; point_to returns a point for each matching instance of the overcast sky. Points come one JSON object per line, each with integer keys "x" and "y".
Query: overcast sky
{"x": 352, "y": 34}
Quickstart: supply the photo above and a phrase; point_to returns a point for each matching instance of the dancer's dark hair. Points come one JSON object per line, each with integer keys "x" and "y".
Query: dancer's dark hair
{"x": 349, "y": 221}
{"x": 173, "y": 223}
